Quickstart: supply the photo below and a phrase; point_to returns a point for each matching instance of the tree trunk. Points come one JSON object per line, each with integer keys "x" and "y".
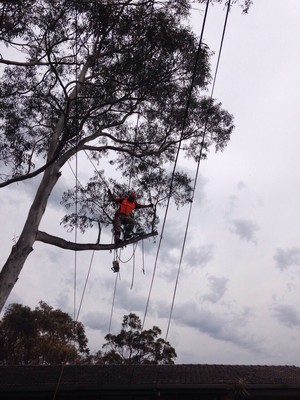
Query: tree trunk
{"x": 21, "y": 250}
{"x": 24, "y": 246}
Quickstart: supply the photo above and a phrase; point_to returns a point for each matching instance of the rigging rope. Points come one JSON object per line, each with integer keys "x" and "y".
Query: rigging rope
{"x": 131, "y": 257}
{"x": 132, "y": 160}
{"x": 177, "y": 156}
{"x": 133, "y": 270}
{"x": 75, "y": 233}
{"x": 197, "y": 172}
{"x": 129, "y": 183}
{"x": 76, "y": 158}
{"x": 113, "y": 302}
{"x": 76, "y": 186}
{"x": 85, "y": 285}
{"x": 76, "y": 128}
{"x": 143, "y": 257}
{"x": 96, "y": 170}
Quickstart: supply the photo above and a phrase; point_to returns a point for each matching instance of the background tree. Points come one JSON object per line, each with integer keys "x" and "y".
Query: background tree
{"x": 136, "y": 346}
{"x": 78, "y": 77}
{"x": 40, "y": 336}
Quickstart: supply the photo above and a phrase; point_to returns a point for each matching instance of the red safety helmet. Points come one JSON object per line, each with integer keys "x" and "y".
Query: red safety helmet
{"x": 132, "y": 195}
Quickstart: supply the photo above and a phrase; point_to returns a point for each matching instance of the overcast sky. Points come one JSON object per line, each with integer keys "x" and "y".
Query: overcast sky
{"x": 237, "y": 300}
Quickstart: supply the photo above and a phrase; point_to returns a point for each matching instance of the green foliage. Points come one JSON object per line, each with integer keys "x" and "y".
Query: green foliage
{"x": 46, "y": 336}
{"x": 40, "y": 336}
{"x": 136, "y": 346}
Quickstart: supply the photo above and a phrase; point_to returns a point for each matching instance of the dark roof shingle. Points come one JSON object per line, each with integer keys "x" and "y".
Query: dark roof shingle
{"x": 180, "y": 374}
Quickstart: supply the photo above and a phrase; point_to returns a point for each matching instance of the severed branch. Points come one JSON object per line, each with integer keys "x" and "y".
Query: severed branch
{"x": 64, "y": 244}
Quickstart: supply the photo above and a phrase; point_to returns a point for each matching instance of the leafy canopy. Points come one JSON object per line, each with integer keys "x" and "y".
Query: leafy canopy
{"x": 136, "y": 346}
{"x": 40, "y": 336}
{"x": 112, "y": 79}
{"x": 45, "y": 336}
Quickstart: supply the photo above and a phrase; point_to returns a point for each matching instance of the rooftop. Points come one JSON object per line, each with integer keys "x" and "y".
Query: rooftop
{"x": 182, "y": 374}
{"x": 147, "y": 382}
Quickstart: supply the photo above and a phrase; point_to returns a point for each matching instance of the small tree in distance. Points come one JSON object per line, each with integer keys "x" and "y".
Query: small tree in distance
{"x": 136, "y": 346}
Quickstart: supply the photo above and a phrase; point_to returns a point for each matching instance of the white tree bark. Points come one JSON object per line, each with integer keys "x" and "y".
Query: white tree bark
{"x": 24, "y": 246}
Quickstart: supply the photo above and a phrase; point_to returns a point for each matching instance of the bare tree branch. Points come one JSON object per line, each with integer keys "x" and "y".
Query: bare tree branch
{"x": 64, "y": 244}
{"x": 33, "y": 63}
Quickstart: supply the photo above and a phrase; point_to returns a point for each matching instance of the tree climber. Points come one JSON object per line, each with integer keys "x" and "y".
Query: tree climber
{"x": 124, "y": 215}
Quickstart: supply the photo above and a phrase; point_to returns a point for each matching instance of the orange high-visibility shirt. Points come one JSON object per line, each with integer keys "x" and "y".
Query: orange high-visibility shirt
{"x": 126, "y": 207}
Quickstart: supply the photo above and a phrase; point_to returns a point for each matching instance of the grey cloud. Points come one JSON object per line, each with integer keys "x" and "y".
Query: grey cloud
{"x": 170, "y": 273}
{"x": 173, "y": 234}
{"x": 245, "y": 229}
{"x": 287, "y": 315}
{"x": 57, "y": 194}
{"x": 218, "y": 288}
{"x": 13, "y": 298}
{"x": 232, "y": 200}
{"x": 216, "y": 326}
{"x": 194, "y": 257}
{"x": 199, "y": 256}
{"x": 30, "y": 187}
{"x": 95, "y": 320}
{"x": 200, "y": 193}
{"x": 125, "y": 300}
{"x": 171, "y": 243}
{"x": 241, "y": 185}
{"x": 63, "y": 302}
{"x": 287, "y": 257}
